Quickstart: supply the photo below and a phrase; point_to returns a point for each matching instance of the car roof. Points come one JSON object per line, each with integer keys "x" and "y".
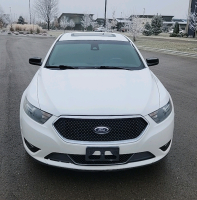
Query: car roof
{"x": 93, "y": 36}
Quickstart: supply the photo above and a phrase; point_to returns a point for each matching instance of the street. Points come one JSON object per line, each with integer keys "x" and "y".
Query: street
{"x": 175, "y": 177}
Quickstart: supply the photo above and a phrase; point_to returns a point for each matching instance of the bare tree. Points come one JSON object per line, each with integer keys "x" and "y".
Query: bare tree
{"x": 64, "y": 22}
{"x": 33, "y": 19}
{"x": 135, "y": 26}
{"x": 126, "y": 24}
{"x": 1, "y": 17}
{"x": 93, "y": 24}
{"x": 108, "y": 24}
{"x": 1, "y": 11}
{"x": 86, "y": 21}
{"x": 4, "y": 19}
{"x": 113, "y": 22}
{"x": 72, "y": 23}
{"x": 56, "y": 23}
{"x": 46, "y": 10}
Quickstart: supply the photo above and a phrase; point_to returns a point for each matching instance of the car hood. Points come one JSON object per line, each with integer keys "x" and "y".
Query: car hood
{"x": 97, "y": 92}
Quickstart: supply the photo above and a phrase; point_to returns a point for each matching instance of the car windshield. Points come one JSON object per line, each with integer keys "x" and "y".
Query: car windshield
{"x": 93, "y": 54}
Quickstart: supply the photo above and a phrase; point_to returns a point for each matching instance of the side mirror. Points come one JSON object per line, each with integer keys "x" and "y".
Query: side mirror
{"x": 152, "y": 61}
{"x": 35, "y": 61}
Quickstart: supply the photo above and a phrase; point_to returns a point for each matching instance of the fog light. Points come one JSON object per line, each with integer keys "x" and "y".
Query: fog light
{"x": 31, "y": 147}
{"x": 165, "y": 147}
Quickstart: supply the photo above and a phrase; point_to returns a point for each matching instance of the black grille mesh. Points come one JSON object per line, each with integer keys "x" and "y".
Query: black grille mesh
{"x": 83, "y": 129}
{"x": 80, "y": 159}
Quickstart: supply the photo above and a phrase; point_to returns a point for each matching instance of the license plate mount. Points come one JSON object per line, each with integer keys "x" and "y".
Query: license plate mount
{"x": 101, "y": 154}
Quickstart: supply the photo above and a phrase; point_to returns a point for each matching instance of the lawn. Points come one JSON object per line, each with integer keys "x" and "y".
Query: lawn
{"x": 162, "y": 41}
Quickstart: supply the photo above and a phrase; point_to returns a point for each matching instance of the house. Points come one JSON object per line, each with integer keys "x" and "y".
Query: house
{"x": 76, "y": 17}
{"x": 101, "y": 21}
{"x": 165, "y": 18}
{"x": 142, "y": 20}
{"x": 182, "y": 23}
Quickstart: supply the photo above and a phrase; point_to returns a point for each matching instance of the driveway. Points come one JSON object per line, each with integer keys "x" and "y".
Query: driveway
{"x": 175, "y": 177}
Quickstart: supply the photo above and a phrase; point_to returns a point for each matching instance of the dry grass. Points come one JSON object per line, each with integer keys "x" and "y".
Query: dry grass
{"x": 163, "y": 41}
{"x": 26, "y": 27}
{"x": 175, "y": 45}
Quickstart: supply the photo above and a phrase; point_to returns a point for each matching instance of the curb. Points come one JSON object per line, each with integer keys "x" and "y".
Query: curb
{"x": 28, "y": 35}
{"x": 166, "y": 51}
{"x": 170, "y": 38}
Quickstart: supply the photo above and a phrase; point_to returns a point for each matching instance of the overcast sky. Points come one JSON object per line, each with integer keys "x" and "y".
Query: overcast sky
{"x": 177, "y": 8}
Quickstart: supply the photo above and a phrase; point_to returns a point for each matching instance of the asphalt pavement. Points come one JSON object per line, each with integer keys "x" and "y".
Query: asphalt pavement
{"x": 175, "y": 177}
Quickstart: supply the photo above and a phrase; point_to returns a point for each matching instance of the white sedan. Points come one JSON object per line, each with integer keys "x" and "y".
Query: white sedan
{"x": 94, "y": 104}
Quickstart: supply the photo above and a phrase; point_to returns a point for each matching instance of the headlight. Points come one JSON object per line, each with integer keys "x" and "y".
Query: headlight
{"x": 161, "y": 114}
{"x": 35, "y": 113}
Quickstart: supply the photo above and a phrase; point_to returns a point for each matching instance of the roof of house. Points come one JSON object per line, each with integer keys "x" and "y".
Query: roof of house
{"x": 80, "y": 14}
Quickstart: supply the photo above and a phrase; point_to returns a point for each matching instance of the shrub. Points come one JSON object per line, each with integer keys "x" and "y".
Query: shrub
{"x": 165, "y": 28}
{"x": 21, "y": 20}
{"x": 147, "y": 29}
{"x": 173, "y": 35}
{"x": 176, "y": 28}
{"x": 27, "y": 27}
{"x": 184, "y": 35}
{"x": 18, "y": 28}
{"x": 156, "y": 24}
{"x": 11, "y": 29}
{"x": 179, "y": 35}
{"x": 31, "y": 30}
{"x": 37, "y": 30}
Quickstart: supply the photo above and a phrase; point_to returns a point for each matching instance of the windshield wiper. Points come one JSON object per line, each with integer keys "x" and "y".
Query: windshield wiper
{"x": 112, "y": 67}
{"x": 62, "y": 67}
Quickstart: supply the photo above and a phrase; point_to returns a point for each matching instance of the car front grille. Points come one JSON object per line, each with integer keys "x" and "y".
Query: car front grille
{"x": 83, "y": 129}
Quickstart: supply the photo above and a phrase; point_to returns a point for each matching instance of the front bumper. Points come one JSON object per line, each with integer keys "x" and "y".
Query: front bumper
{"x": 47, "y": 140}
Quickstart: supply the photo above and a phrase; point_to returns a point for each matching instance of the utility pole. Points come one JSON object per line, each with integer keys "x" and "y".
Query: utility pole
{"x": 105, "y": 22}
{"x": 143, "y": 12}
{"x": 30, "y": 11}
{"x": 11, "y": 16}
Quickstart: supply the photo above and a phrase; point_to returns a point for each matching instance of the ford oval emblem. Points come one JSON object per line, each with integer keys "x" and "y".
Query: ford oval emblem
{"x": 101, "y": 130}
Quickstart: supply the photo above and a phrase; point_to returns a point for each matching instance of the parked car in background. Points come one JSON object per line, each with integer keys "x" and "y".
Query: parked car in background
{"x": 124, "y": 29}
{"x": 100, "y": 29}
{"x": 181, "y": 31}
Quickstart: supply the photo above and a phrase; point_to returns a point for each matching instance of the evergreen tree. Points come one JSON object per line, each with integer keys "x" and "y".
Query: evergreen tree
{"x": 147, "y": 29}
{"x": 21, "y": 20}
{"x": 165, "y": 28}
{"x": 176, "y": 28}
{"x": 156, "y": 24}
